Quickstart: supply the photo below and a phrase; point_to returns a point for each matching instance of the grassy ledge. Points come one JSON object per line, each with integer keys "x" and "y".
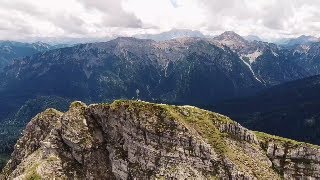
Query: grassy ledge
{"x": 266, "y": 138}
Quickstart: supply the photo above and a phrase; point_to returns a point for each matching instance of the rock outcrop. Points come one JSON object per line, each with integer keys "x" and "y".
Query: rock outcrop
{"x": 139, "y": 140}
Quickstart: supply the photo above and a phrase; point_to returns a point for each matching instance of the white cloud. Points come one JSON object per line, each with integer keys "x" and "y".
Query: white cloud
{"x": 165, "y": 14}
{"x": 74, "y": 18}
{"x": 99, "y": 18}
{"x": 267, "y": 18}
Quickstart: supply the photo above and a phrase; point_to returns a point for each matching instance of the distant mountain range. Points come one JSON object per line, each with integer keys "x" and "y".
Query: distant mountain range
{"x": 181, "y": 33}
{"x": 301, "y": 40}
{"x": 192, "y": 70}
{"x": 252, "y": 38}
{"x": 172, "y": 34}
{"x": 188, "y": 70}
{"x": 180, "y": 67}
{"x": 11, "y": 50}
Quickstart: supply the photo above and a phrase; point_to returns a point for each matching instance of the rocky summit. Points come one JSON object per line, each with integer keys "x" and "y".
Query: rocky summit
{"x": 140, "y": 140}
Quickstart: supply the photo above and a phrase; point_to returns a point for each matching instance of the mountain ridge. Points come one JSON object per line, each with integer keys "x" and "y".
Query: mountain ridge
{"x": 14, "y": 50}
{"x": 144, "y": 140}
{"x": 160, "y": 60}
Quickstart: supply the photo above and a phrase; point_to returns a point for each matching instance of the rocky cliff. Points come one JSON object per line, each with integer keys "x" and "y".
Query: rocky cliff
{"x": 139, "y": 140}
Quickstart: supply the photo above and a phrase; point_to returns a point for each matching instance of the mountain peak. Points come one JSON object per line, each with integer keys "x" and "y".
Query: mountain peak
{"x": 232, "y": 40}
{"x": 140, "y": 140}
{"x": 231, "y": 35}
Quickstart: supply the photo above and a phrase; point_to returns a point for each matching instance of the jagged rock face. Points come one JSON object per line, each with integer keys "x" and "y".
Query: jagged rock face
{"x": 295, "y": 162}
{"x": 138, "y": 140}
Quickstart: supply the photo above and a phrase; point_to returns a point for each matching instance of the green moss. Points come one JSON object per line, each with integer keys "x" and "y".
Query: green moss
{"x": 214, "y": 178}
{"x": 265, "y": 138}
{"x": 32, "y": 173}
{"x": 203, "y": 122}
{"x": 77, "y": 104}
{"x": 161, "y": 178}
{"x": 33, "y": 176}
{"x": 247, "y": 162}
{"x": 131, "y": 104}
{"x": 52, "y": 159}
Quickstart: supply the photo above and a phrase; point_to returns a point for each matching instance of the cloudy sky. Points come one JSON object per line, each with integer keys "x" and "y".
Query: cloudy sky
{"x": 25, "y": 19}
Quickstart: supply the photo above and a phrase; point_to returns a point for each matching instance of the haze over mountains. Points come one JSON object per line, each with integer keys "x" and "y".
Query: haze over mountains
{"x": 12, "y": 50}
{"x": 177, "y": 67}
{"x": 172, "y": 34}
{"x": 301, "y": 40}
